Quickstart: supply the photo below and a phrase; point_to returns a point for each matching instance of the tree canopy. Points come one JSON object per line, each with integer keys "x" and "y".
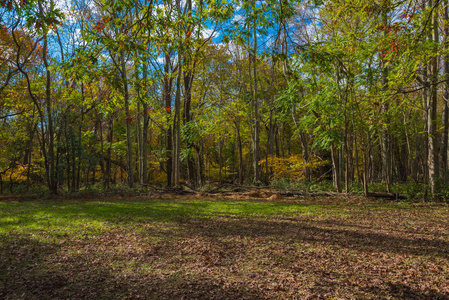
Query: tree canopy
{"x": 162, "y": 93}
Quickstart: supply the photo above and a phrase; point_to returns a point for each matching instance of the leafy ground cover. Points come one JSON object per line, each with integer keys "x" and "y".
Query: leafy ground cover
{"x": 183, "y": 248}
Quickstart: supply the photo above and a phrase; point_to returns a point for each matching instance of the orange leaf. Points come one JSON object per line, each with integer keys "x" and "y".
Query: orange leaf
{"x": 99, "y": 26}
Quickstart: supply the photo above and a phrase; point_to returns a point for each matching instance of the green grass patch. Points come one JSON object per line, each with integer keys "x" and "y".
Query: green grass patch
{"x": 91, "y": 217}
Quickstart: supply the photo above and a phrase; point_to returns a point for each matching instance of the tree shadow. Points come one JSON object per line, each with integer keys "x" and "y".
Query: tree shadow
{"x": 403, "y": 291}
{"x": 20, "y": 258}
{"x": 37, "y": 270}
{"x": 59, "y": 270}
{"x": 318, "y": 231}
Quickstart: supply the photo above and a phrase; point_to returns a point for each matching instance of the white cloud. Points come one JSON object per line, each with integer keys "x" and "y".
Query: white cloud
{"x": 208, "y": 33}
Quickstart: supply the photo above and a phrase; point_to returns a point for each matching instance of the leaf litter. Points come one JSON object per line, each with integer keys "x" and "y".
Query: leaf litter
{"x": 355, "y": 249}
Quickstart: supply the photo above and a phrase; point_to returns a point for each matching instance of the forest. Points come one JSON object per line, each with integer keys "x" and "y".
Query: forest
{"x": 224, "y": 149}
{"x": 167, "y": 94}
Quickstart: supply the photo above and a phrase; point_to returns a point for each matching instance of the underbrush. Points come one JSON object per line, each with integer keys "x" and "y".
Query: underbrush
{"x": 415, "y": 192}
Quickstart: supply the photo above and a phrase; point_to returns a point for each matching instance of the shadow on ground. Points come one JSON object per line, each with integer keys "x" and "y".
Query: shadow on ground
{"x": 218, "y": 257}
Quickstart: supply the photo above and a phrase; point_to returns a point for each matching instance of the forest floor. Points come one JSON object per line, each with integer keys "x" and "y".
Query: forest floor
{"x": 210, "y": 247}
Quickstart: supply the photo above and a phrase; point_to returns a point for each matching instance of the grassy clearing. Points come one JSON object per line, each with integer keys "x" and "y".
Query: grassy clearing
{"x": 223, "y": 249}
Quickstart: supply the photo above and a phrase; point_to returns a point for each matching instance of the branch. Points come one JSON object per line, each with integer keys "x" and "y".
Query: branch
{"x": 11, "y": 115}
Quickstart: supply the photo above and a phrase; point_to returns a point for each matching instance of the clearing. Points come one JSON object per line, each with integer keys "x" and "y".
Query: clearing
{"x": 189, "y": 248}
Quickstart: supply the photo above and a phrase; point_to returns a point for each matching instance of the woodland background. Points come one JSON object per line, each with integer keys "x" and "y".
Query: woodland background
{"x": 98, "y": 93}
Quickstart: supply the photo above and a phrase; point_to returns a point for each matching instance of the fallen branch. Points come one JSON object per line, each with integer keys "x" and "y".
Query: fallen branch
{"x": 152, "y": 187}
{"x": 245, "y": 187}
{"x": 189, "y": 187}
{"x": 388, "y": 195}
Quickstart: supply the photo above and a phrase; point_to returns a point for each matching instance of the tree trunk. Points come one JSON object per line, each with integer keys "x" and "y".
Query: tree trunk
{"x": 188, "y": 77}
{"x": 335, "y": 168}
{"x": 445, "y": 133}
{"x": 386, "y": 175}
{"x": 167, "y": 86}
{"x": 177, "y": 125}
{"x": 52, "y": 184}
{"x": 109, "y": 154}
{"x": 129, "y": 158}
{"x": 432, "y": 118}
{"x": 255, "y": 102}
{"x": 239, "y": 145}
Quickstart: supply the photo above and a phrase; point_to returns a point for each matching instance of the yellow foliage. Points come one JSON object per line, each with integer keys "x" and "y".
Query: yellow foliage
{"x": 292, "y": 167}
{"x": 19, "y": 173}
{"x": 155, "y": 174}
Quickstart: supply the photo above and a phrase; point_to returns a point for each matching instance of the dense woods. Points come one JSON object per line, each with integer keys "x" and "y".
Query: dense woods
{"x": 161, "y": 93}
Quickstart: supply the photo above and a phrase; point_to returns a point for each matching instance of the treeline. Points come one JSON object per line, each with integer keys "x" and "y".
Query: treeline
{"x": 168, "y": 92}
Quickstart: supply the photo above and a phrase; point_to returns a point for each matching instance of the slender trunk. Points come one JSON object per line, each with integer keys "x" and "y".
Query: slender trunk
{"x": 51, "y": 155}
{"x": 269, "y": 152}
{"x": 77, "y": 168}
{"x": 445, "y": 134}
{"x": 144, "y": 144}
{"x": 177, "y": 125}
{"x": 220, "y": 165}
{"x": 386, "y": 175}
{"x": 139, "y": 164}
{"x": 109, "y": 154}
{"x": 239, "y": 143}
{"x": 432, "y": 118}
{"x": 347, "y": 160}
{"x": 102, "y": 162}
{"x": 139, "y": 142}
{"x": 425, "y": 100}
{"x": 188, "y": 77}
{"x": 304, "y": 145}
{"x": 335, "y": 168}
{"x": 28, "y": 153}
{"x": 365, "y": 173}
{"x": 129, "y": 161}
{"x": 167, "y": 86}
{"x": 255, "y": 103}
{"x": 200, "y": 162}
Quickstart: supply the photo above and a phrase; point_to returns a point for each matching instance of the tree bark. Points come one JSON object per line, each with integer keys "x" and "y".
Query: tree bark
{"x": 52, "y": 185}
{"x": 129, "y": 159}
{"x": 445, "y": 133}
{"x": 386, "y": 175}
{"x": 167, "y": 86}
{"x": 432, "y": 118}
{"x": 335, "y": 168}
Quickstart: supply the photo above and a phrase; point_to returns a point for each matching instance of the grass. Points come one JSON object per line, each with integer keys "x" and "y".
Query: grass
{"x": 223, "y": 249}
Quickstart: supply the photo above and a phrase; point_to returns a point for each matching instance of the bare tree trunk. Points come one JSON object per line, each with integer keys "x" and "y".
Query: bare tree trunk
{"x": 177, "y": 125}
{"x": 335, "y": 168}
{"x": 48, "y": 103}
{"x": 386, "y": 175}
{"x": 255, "y": 103}
{"x": 191, "y": 173}
{"x": 445, "y": 134}
{"x": 110, "y": 138}
{"x": 129, "y": 159}
{"x": 139, "y": 143}
{"x": 432, "y": 118}
{"x": 365, "y": 168}
{"x": 167, "y": 86}
{"x": 144, "y": 144}
{"x": 239, "y": 143}
{"x": 29, "y": 151}
{"x": 188, "y": 80}
{"x": 220, "y": 164}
